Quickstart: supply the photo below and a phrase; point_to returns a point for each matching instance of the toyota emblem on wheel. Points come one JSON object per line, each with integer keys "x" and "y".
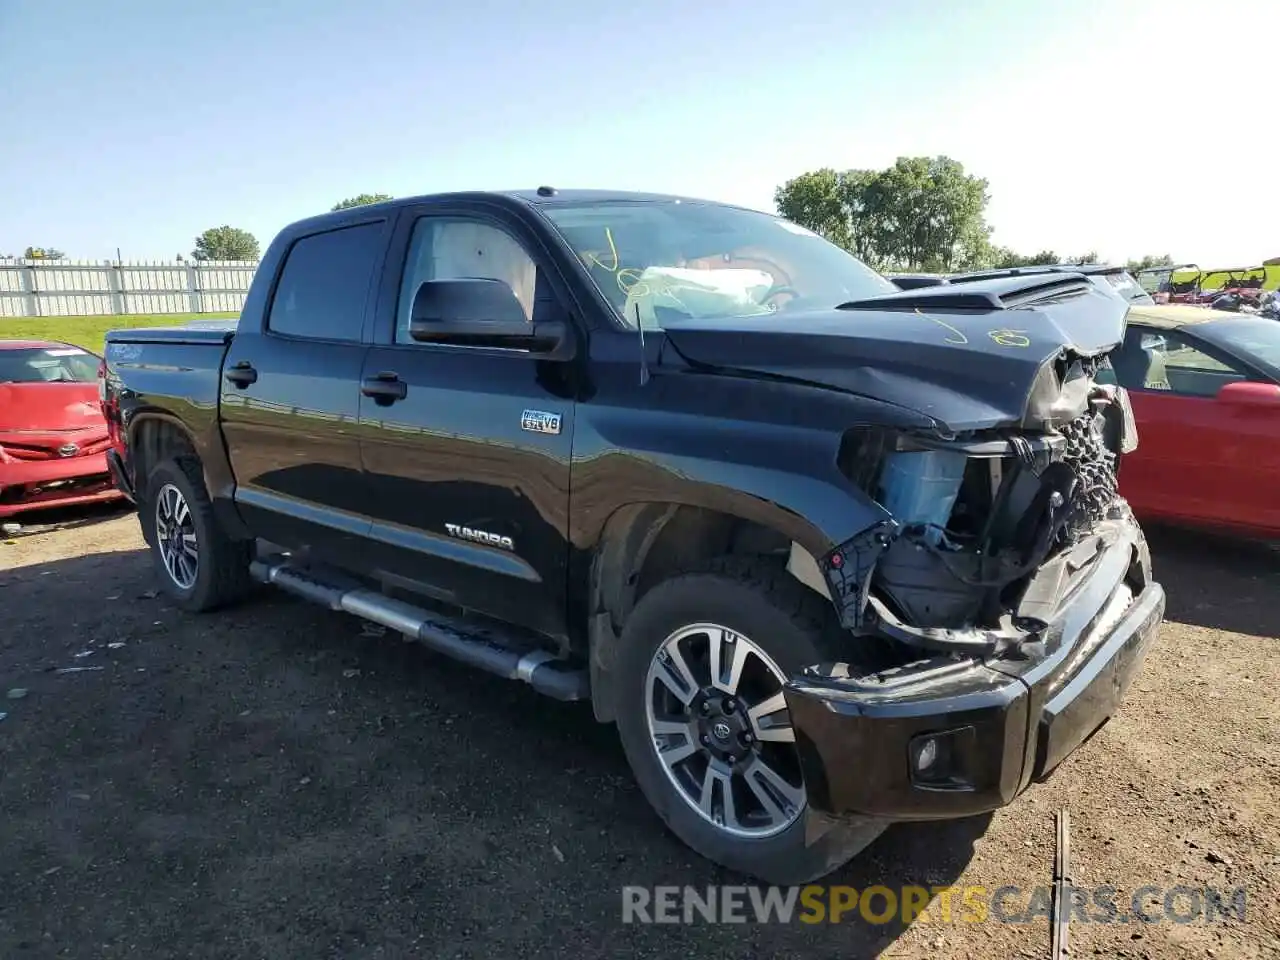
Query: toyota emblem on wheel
{"x": 721, "y": 730}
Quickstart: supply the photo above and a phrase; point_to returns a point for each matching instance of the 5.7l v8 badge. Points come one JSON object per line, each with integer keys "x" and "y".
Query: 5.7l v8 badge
{"x": 540, "y": 421}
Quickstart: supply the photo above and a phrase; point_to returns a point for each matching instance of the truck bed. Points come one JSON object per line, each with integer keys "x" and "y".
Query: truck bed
{"x": 173, "y": 374}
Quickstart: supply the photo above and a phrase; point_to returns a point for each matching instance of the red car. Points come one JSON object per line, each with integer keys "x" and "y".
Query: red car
{"x": 53, "y": 438}
{"x": 1205, "y": 389}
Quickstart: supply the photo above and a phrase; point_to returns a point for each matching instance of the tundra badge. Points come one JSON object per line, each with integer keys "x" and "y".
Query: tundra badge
{"x": 479, "y": 536}
{"x": 540, "y": 421}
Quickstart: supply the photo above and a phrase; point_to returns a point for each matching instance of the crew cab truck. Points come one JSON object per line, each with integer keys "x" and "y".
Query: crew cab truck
{"x": 829, "y": 554}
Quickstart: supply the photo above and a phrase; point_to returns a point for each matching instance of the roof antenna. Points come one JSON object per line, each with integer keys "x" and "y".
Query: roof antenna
{"x": 644, "y": 356}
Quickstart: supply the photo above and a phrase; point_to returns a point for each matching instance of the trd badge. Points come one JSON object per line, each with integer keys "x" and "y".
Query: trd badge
{"x": 540, "y": 421}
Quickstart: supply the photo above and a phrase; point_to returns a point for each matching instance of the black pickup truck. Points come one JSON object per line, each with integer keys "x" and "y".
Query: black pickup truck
{"x": 829, "y": 554}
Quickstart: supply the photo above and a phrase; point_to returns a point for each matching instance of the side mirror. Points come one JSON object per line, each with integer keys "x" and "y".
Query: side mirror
{"x": 480, "y": 313}
{"x": 1248, "y": 393}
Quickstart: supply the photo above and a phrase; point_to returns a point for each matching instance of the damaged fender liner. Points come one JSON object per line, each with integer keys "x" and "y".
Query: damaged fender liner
{"x": 995, "y": 723}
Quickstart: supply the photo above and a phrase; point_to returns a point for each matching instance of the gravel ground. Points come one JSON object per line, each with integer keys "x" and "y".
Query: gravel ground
{"x": 271, "y": 783}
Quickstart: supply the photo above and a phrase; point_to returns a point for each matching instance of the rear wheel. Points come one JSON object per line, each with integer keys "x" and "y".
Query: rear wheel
{"x": 704, "y": 722}
{"x": 200, "y": 567}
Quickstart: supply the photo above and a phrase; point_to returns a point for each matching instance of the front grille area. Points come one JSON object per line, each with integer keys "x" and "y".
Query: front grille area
{"x": 1094, "y": 466}
{"x": 46, "y": 451}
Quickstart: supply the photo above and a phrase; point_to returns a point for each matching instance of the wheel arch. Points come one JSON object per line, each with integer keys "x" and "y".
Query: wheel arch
{"x": 155, "y": 435}
{"x": 644, "y": 544}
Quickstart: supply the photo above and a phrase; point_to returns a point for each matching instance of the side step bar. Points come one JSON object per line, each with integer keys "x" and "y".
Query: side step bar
{"x": 542, "y": 670}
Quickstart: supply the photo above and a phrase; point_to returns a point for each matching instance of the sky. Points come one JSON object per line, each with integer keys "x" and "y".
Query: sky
{"x": 1129, "y": 127}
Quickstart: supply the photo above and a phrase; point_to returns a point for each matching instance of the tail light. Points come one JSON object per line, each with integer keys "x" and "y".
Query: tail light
{"x": 102, "y": 381}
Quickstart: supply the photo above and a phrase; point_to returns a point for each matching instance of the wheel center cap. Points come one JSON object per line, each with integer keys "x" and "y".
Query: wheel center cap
{"x": 721, "y": 730}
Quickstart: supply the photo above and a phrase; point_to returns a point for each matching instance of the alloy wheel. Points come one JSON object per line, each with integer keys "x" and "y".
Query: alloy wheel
{"x": 176, "y": 537}
{"x": 718, "y": 722}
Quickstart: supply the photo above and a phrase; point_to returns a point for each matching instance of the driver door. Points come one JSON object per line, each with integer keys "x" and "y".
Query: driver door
{"x": 468, "y": 470}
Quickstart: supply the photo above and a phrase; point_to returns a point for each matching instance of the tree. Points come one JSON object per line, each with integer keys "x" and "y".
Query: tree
{"x": 1006, "y": 257}
{"x": 922, "y": 213}
{"x": 43, "y": 253}
{"x": 226, "y": 243}
{"x": 360, "y": 200}
{"x": 819, "y": 200}
{"x": 1145, "y": 263}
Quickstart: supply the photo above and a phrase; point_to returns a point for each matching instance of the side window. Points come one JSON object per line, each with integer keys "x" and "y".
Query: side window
{"x": 444, "y": 248}
{"x": 325, "y": 284}
{"x": 1164, "y": 360}
{"x": 1191, "y": 372}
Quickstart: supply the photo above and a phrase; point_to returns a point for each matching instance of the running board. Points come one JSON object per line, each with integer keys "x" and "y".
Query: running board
{"x": 541, "y": 669}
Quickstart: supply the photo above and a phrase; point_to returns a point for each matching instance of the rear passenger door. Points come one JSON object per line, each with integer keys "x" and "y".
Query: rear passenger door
{"x": 291, "y": 395}
{"x": 469, "y": 497}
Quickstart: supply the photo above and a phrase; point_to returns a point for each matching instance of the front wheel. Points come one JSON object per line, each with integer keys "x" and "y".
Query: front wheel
{"x": 704, "y": 723}
{"x": 200, "y": 567}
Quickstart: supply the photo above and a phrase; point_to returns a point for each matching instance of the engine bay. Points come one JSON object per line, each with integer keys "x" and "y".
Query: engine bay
{"x": 977, "y": 518}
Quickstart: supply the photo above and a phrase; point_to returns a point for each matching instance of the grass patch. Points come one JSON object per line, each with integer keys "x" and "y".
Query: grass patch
{"x": 90, "y": 332}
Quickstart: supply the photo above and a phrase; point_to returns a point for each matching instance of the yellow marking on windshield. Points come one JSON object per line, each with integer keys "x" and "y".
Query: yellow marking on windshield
{"x": 627, "y": 278}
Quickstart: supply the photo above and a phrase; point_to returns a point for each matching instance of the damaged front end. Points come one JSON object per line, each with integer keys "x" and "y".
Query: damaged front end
{"x": 1004, "y": 601}
{"x": 963, "y": 561}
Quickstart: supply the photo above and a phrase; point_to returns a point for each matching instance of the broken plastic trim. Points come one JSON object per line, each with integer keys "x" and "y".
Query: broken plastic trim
{"x": 976, "y": 641}
{"x": 848, "y": 570}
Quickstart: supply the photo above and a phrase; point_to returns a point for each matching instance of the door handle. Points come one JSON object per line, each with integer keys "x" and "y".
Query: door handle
{"x": 385, "y": 388}
{"x": 241, "y": 374}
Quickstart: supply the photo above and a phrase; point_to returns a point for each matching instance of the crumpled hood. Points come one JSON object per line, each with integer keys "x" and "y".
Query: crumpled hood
{"x": 50, "y": 407}
{"x": 968, "y": 368}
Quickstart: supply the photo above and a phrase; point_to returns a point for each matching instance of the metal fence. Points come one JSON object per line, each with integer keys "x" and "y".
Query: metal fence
{"x": 57, "y": 288}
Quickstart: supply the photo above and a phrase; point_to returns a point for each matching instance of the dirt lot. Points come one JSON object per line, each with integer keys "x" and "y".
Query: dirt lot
{"x": 271, "y": 783}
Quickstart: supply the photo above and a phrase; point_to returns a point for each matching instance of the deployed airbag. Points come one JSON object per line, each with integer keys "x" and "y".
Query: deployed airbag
{"x": 728, "y": 292}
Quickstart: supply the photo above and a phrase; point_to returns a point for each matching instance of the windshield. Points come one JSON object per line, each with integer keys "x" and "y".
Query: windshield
{"x": 1256, "y": 337}
{"x": 674, "y": 260}
{"x": 48, "y": 365}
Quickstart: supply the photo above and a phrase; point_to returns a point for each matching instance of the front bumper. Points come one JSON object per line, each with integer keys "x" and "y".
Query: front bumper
{"x": 996, "y": 724}
{"x": 38, "y": 484}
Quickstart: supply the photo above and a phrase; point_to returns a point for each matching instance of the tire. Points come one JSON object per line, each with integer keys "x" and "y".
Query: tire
{"x": 219, "y": 573}
{"x": 791, "y": 626}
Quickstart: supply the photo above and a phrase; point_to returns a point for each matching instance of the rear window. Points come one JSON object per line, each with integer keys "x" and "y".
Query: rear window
{"x": 48, "y": 365}
{"x": 325, "y": 284}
